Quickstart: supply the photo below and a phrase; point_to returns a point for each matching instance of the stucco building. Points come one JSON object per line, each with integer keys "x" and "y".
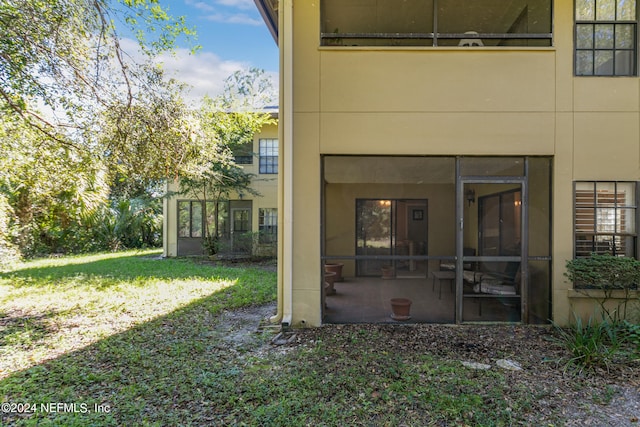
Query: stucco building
{"x": 471, "y": 147}
{"x": 245, "y": 223}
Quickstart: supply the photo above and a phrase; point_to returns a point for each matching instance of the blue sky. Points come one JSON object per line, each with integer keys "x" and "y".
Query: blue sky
{"x": 233, "y": 36}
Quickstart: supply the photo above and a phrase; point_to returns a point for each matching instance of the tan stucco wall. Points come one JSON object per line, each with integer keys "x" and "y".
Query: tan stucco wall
{"x": 439, "y": 101}
{"x": 265, "y": 184}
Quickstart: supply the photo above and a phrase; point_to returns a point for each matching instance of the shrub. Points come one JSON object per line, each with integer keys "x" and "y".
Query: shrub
{"x": 591, "y": 345}
{"x": 615, "y": 277}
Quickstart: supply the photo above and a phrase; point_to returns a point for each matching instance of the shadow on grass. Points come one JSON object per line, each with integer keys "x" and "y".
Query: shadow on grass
{"x": 157, "y": 373}
{"x": 18, "y": 328}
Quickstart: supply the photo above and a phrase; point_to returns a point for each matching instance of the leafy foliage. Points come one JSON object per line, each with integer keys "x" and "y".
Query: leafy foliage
{"x": 67, "y": 55}
{"x": 591, "y": 345}
{"x": 90, "y": 127}
{"x": 602, "y": 271}
{"x": 610, "y": 281}
{"x": 127, "y": 224}
{"x": 611, "y": 275}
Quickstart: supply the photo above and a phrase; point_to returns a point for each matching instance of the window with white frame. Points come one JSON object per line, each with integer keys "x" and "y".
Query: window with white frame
{"x": 268, "y": 152}
{"x": 268, "y": 224}
{"x": 605, "y": 218}
{"x": 606, "y": 38}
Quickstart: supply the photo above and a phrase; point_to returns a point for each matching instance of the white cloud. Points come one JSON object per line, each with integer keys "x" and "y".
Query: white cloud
{"x": 201, "y": 5}
{"x": 240, "y": 4}
{"x": 203, "y": 72}
{"x": 227, "y": 11}
{"x": 210, "y": 6}
{"x": 234, "y": 18}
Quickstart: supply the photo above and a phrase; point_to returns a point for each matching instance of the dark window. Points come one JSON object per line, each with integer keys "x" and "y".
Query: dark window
{"x": 606, "y": 34}
{"x": 191, "y": 218}
{"x": 243, "y": 154}
{"x": 268, "y": 156}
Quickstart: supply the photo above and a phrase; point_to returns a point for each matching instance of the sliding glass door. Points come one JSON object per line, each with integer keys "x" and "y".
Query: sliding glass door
{"x": 389, "y": 231}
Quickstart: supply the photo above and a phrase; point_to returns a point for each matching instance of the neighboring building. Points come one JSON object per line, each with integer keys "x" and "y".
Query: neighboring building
{"x": 453, "y": 140}
{"x": 245, "y": 222}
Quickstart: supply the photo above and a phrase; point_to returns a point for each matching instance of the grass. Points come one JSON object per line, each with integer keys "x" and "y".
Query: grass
{"x": 129, "y": 339}
{"x": 52, "y": 306}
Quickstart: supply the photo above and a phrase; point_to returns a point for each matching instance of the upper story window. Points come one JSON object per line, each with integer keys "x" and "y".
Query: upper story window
{"x": 243, "y": 154}
{"x": 268, "y": 156}
{"x": 436, "y": 23}
{"x": 606, "y": 38}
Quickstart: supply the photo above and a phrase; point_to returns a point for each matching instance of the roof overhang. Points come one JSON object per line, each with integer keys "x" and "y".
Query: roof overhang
{"x": 269, "y": 11}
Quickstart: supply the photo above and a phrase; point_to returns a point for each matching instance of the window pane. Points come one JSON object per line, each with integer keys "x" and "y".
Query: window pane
{"x": 584, "y": 63}
{"x": 585, "y": 10}
{"x": 211, "y": 217}
{"x": 626, "y": 193}
{"x": 584, "y": 197}
{"x": 584, "y": 36}
{"x": 606, "y": 10}
{"x": 585, "y": 220}
{"x": 243, "y": 153}
{"x": 605, "y": 194}
{"x": 624, "y": 63}
{"x": 604, "y": 36}
{"x": 196, "y": 219}
{"x": 603, "y": 63}
{"x": 624, "y": 36}
{"x": 626, "y": 221}
{"x": 585, "y": 186}
{"x": 183, "y": 219}
{"x": 626, "y": 10}
{"x": 626, "y": 246}
{"x": 584, "y": 245}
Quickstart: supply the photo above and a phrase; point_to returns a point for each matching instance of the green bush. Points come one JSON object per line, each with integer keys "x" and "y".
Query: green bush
{"x": 126, "y": 224}
{"x": 615, "y": 277}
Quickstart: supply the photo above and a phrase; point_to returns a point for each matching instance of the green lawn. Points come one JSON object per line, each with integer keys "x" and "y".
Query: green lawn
{"x": 113, "y": 329}
{"x": 129, "y": 339}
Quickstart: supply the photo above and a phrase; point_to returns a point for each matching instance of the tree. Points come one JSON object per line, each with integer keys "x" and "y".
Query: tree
{"x": 248, "y": 90}
{"x": 78, "y": 113}
{"x": 151, "y": 138}
{"x": 67, "y": 56}
{"x": 49, "y": 190}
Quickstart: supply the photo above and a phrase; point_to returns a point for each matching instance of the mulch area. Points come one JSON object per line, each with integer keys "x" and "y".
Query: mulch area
{"x": 605, "y": 396}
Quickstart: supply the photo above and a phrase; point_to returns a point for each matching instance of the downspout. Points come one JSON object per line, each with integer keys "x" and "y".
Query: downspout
{"x": 166, "y": 217}
{"x": 285, "y": 176}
